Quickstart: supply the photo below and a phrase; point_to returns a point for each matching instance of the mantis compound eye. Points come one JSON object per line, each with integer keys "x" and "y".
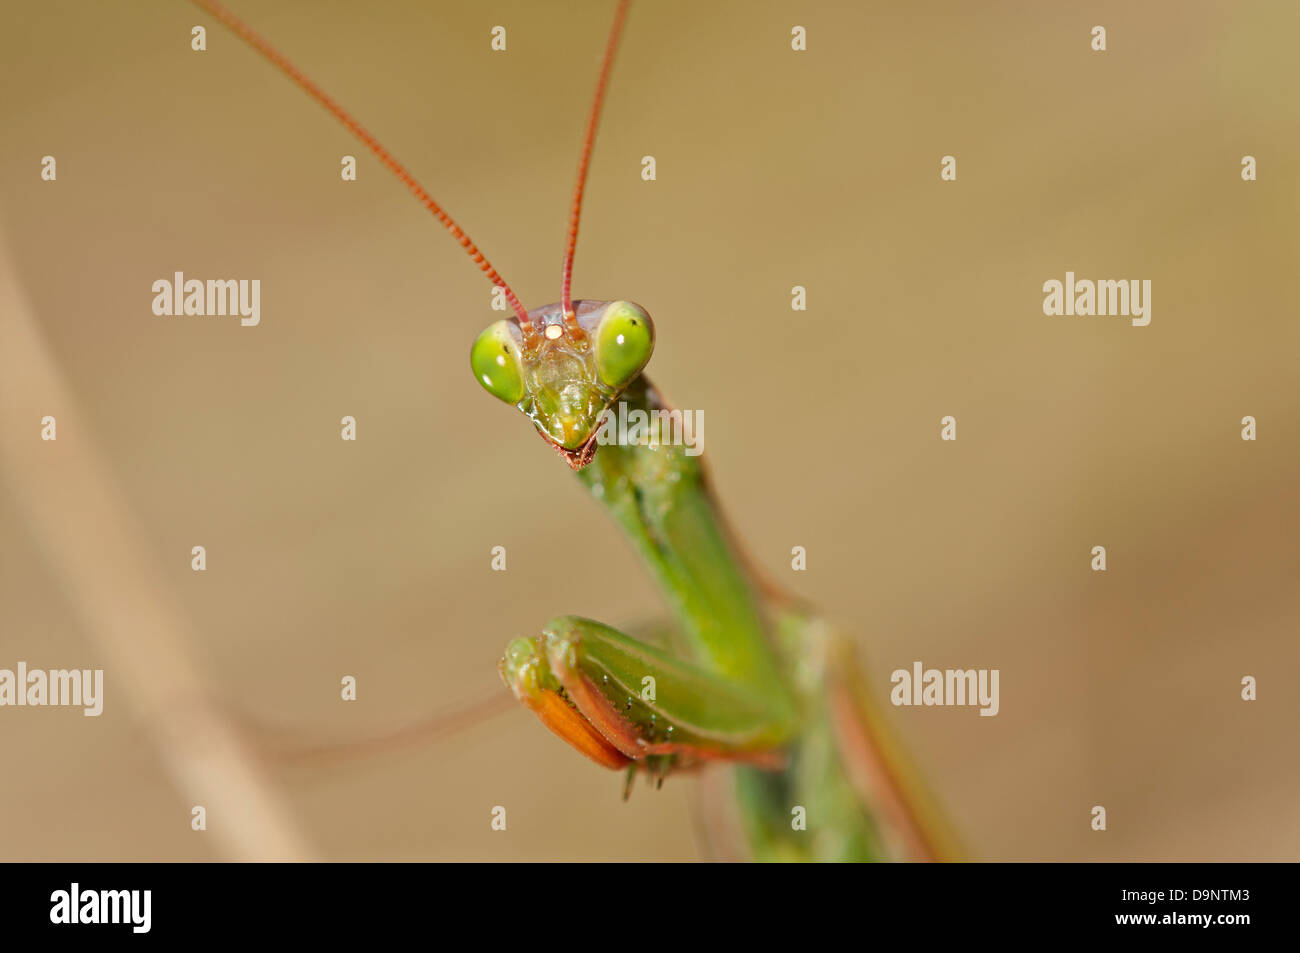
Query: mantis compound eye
{"x": 625, "y": 339}
{"x": 496, "y": 363}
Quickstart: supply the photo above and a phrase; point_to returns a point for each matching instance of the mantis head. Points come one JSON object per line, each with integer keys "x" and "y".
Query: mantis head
{"x": 564, "y": 370}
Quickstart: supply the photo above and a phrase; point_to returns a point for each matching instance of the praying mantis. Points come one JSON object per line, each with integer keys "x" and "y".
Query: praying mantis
{"x": 747, "y": 678}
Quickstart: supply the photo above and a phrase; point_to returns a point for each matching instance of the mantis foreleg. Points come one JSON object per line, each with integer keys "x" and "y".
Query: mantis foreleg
{"x": 642, "y": 701}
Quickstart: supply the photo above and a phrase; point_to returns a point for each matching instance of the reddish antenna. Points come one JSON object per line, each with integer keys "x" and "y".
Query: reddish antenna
{"x": 611, "y": 47}
{"x": 251, "y": 37}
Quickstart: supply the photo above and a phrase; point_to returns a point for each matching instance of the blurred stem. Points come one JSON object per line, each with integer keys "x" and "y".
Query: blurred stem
{"x": 94, "y": 548}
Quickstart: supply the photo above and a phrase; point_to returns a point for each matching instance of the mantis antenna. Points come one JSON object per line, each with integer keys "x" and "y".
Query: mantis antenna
{"x": 223, "y": 15}
{"x": 282, "y": 62}
{"x": 593, "y": 121}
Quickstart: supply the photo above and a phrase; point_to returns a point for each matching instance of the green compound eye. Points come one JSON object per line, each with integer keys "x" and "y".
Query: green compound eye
{"x": 624, "y": 340}
{"x": 496, "y": 364}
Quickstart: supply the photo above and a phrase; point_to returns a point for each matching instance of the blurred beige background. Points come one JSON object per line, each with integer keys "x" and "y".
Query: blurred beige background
{"x": 821, "y": 168}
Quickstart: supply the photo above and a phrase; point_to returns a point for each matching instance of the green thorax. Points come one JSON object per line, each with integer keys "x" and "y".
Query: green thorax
{"x": 657, "y": 493}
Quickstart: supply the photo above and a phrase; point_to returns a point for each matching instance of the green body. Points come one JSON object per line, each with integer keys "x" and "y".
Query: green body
{"x": 659, "y": 496}
{"x": 741, "y": 676}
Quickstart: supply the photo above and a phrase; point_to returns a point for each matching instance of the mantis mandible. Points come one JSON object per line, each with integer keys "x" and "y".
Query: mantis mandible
{"x": 748, "y": 675}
